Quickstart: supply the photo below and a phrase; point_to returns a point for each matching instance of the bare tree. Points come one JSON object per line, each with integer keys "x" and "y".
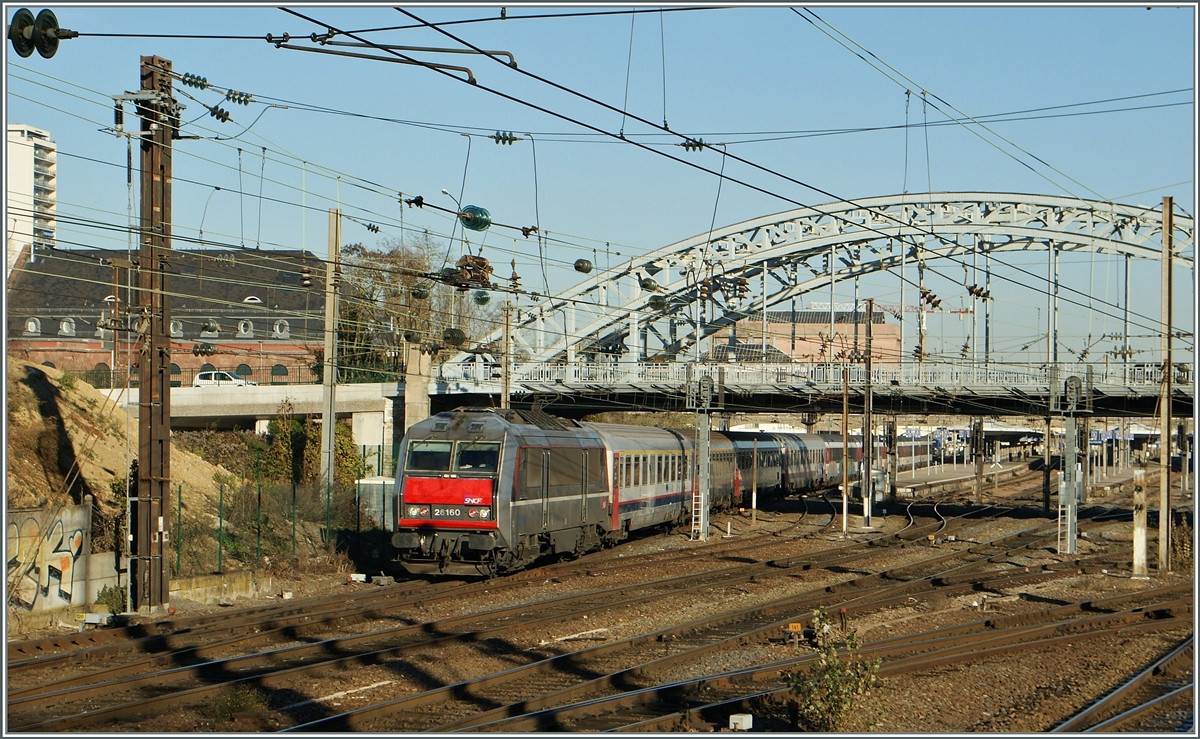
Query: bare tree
{"x": 390, "y": 297}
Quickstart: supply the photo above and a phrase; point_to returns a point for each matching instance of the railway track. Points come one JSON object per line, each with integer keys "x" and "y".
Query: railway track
{"x": 1157, "y": 692}
{"x": 196, "y": 640}
{"x": 133, "y": 688}
{"x": 521, "y": 709}
{"x": 709, "y": 700}
{"x": 186, "y": 661}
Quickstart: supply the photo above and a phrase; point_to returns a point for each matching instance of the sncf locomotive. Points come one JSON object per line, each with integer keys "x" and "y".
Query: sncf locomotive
{"x": 485, "y": 491}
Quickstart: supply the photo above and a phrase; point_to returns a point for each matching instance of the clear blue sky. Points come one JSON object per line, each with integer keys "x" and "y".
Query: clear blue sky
{"x": 730, "y": 75}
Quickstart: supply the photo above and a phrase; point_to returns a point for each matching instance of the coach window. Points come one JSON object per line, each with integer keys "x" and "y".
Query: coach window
{"x": 429, "y": 456}
{"x": 477, "y": 456}
{"x": 637, "y": 470}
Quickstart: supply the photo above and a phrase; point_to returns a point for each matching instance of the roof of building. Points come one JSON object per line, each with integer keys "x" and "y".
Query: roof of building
{"x": 745, "y": 353}
{"x": 209, "y": 283}
{"x": 816, "y": 316}
{"x": 212, "y": 280}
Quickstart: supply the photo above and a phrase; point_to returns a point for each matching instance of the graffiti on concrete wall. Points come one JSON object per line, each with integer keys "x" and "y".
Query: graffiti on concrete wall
{"x": 49, "y": 564}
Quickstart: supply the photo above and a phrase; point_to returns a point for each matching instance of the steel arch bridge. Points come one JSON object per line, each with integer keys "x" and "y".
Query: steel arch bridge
{"x": 659, "y": 306}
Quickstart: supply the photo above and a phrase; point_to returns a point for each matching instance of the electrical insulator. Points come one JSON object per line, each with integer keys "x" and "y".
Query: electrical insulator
{"x": 657, "y": 302}
{"x": 743, "y": 287}
{"x": 475, "y": 218}
{"x": 191, "y": 80}
{"x": 337, "y": 275}
{"x": 412, "y": 337}
{"x": 118, "y": 116}
{"x": 305, "y": 277}
{"x": 505, "y": 137}
{"x": 692, "y": 144}
{"x": 42, "y": 33}
{"x": 240, "y": 98}
{"x": 825, "y": 264}
{"x": 705, "y": 289}
{"x": 648, "y": 284}
{"x": 211, "y": 326}
{"x": 373, "y": 228}
{"x": 420, "y": 292}
{"x": 481, "y": 297}
{"x": 454, "y": 336}
{"x": 220, "y": 114}
{"x": 583, "y": 266}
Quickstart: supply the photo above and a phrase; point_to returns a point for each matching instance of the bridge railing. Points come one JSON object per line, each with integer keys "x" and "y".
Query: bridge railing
{"x": 825, "y": 375}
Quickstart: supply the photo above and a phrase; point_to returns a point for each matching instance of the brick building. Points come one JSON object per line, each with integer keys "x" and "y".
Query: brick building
{"x": 249, "y": 304}
{"x": 803, "y": 336}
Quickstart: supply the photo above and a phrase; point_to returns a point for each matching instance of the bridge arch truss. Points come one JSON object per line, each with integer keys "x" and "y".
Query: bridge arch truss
{"x": 772, "y": 260}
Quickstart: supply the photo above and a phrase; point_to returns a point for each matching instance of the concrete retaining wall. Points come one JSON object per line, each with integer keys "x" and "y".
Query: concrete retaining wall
{"x": 46, "y": 549}
{"x": 210, "y": 589}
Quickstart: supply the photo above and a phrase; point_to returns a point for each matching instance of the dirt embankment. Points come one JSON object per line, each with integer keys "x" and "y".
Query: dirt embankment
{"x": 66, "y": 440}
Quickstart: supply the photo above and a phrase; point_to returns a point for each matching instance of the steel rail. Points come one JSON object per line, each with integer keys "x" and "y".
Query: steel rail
{"x": 949, "y": 649}
{"x": 428, "y": 634}
{"x": 1139, "y": 711}
{"x": 766, "y": 619}
{"x": 1080, "y": 721}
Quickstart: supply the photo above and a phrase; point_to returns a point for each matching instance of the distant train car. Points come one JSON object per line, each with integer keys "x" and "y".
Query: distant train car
{"x": 487, "y": 491}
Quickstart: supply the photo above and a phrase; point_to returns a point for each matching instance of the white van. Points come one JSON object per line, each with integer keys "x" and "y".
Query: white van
{"x": 220, "y": 379}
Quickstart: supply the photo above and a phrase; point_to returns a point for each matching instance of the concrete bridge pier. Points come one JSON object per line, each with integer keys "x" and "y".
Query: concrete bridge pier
{"x": 417, "y": 377}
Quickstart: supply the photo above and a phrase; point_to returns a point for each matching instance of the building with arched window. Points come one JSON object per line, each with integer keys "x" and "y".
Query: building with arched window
{"x": 250, "y": 305}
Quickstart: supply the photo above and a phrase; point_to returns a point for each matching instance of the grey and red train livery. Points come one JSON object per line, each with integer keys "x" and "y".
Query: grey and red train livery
{"x": 485, "y": 491}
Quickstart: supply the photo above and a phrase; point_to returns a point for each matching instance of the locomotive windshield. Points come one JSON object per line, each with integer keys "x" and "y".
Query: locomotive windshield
{"x": 429, "y": 456}
{"x": 477, "y": 456}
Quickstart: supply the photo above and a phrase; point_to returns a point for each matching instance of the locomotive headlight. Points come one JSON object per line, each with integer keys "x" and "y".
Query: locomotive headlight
{"x": 413, "y": 511}
{"x": 483, "y": 512}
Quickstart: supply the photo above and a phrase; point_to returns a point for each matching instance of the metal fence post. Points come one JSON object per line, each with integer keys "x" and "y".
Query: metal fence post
{"x": 258, "y": 529}
{"x": 220, "y": 526}
{"x": 328, "y": 491}
{"x": 179, "y": 531}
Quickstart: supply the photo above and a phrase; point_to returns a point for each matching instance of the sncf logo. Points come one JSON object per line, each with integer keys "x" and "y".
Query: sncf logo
{"x": 473, "y": 501}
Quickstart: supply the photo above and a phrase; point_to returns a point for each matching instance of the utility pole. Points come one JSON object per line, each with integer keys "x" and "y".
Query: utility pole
{"x": 868, "y": 487}
{"x": 1068, "y": 482}
{"x": 1164, "y": 436}
{"x": 505, "y": 359}
{"x": 329, "y": 371}
{"x": 149, "y": 581}
{"x": 754, "y": 487}
{"x": 920, "y": 310}
{"x": 977, "y": 453}
{"x": 700, "y": 392}
{"x": 893, "y": 459}
{"x": 845, "y": 446}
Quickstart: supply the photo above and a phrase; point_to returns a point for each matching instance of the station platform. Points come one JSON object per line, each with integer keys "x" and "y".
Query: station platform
{"x": 933, "y": 479}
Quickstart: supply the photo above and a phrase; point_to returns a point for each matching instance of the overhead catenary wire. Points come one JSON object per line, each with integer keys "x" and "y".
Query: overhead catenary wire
{"x": 639, "y": 119}
{"x": 730, "y": 137}
{"x": 908, "y": 81}
{"x": 666, "y": 133}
